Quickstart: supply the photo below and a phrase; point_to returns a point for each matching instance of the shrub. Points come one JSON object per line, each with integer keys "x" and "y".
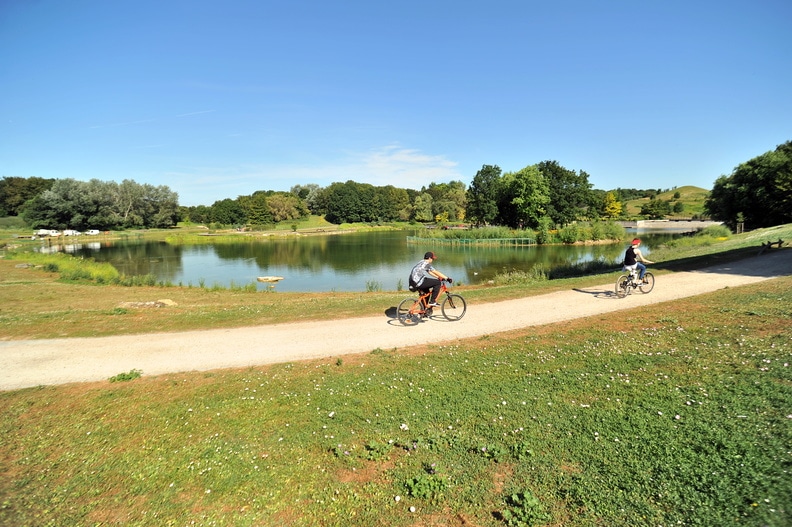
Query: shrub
{"x": 715, "y": 231}
{"x": 124, "y": 377}
{"x": 524, "y": 510}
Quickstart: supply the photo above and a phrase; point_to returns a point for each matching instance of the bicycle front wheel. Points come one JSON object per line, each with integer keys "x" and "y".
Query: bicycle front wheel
{"x": 453, "y": 307}
{"x": 649, "y": 285}
{"x": 623, "y": 286}
{"x": 406, "y": 312}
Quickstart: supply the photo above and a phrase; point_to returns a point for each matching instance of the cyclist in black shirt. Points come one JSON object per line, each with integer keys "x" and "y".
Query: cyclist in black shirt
{"x": 634, "y": 259}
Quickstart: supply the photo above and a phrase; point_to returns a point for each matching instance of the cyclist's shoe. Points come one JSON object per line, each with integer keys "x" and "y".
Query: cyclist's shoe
{"x": 433, "y": 304}
{"x": 644, "y": 281}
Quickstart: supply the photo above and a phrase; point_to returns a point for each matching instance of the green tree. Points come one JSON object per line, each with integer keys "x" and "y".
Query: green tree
{"x": 257, "y": 210}
{"x": 159, "y": 206}
{"x": 570, "y": 193}
{"x": 128, "y": 203}
{"x": 284, "y": 206}
{"x": 422, "y": 208}
{"x": 348, "y": 202}
{"x": 482, "y": 196}
{"x": 760, "y": 189}
{"x": 16, "y": 191}
{"x": 309, "y": 194}
{"x": 524, "y": 197}
{"x": 228, "y": 212}
{"x": 392, "y": 203}
{"x": 448, "y": 198}
{"x": 656, "y": 209}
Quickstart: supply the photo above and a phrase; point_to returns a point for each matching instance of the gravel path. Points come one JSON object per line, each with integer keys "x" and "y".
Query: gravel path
{"x": 58, "y": 361}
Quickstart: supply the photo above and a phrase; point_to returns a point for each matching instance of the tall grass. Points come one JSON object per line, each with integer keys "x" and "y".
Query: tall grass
{"x": 572, "y": 233}
{"x": 70, "y": 268}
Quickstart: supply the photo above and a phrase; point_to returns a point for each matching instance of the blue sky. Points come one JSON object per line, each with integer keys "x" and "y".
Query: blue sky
{"x": 217, "y": 99}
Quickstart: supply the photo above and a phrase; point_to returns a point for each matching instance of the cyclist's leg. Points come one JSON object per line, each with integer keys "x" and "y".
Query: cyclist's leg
{"x": 434, "y": 285}
{"x": 641, "y": 270}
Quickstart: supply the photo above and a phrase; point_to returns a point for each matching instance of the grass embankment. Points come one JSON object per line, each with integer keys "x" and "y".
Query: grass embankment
{"x": 678, "y": 415}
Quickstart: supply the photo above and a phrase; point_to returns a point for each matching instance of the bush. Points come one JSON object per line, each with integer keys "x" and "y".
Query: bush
{"x": 570, "y": 233}
{"x": 129, "y": 376}
{"x": 715, "y": 231}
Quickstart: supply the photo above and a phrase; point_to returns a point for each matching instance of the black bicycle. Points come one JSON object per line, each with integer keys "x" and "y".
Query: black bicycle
{"x": 626, "y": 283}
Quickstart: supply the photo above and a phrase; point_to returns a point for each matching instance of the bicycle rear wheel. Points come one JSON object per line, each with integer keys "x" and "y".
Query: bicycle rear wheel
{"x": 649, "y": 285}
{"x": 406, "y": 312}
{"x": 623, "y": 286}
{"x": 453, "y": 307}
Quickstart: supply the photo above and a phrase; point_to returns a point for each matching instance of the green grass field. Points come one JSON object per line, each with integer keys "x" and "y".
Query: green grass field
{"x": 679, "y": 414}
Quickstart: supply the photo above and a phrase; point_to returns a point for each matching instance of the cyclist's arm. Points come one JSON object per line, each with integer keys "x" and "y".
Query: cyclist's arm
{"x": 437, "y": 274}
{"x": 640, "y": 258}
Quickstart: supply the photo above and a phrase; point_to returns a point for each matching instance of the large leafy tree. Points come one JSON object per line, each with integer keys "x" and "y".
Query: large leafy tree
{"x": 309, "y": 193}
{"x": 759, "y": 191}
{"x": 228, "y": 212}
{"x": 482, "y": 196}
{"x": 570, "y": 193}
{"x": 257, "y": 211}
{"x": 656, "y": 209}
{"x": 348, "y": 202}
{"x": 524, "y": 198}
{"x": 284, "y": 206}
{"x": 392, "y": 203}
{"x": 448, "y": 199}
{"x": 423, "y": 207}
{"x": 15, "y": 191}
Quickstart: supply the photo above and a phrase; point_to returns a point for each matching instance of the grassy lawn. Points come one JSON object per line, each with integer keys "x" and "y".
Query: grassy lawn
{"x": 677, "y": 415}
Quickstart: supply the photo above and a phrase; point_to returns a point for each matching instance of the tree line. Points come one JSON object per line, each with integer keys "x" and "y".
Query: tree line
{"x": 81, "y": 205}
{"x": 545, "y": 193}
{"x": 758, "y": 193}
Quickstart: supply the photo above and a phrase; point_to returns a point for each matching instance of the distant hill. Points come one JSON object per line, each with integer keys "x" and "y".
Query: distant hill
{"x": 692, "y": 199}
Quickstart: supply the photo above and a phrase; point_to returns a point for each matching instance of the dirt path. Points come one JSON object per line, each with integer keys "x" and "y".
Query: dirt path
{"x": 58, "y": 361}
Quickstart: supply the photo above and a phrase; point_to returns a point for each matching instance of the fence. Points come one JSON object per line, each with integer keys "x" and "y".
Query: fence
{"x": 467, "y": 242}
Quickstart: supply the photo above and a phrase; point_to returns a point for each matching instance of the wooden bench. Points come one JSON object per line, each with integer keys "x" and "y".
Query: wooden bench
{"x": 770, "y": 245}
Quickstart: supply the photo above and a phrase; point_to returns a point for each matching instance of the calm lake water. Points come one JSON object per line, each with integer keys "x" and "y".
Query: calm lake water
{"x": 343, "y": 262}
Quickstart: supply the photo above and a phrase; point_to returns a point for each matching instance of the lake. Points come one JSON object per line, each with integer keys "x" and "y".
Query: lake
{"x": 357, "y": 261}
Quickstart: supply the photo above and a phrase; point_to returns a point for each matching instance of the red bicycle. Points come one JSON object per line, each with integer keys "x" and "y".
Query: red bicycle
{"x": 412, "y": 310}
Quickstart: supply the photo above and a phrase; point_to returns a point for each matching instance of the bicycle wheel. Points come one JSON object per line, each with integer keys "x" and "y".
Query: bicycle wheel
{"x": 623, "y": 286}
{"x": 649, "y": 285}
{"x": 453, "y": 307}
{"x": 406, "y": 312}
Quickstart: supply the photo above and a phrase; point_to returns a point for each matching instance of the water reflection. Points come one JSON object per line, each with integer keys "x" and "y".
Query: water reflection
{"x": 347, "y": 262}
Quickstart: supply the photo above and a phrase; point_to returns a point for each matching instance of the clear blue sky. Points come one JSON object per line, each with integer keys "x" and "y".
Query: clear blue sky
{"x": 217, "y": 99}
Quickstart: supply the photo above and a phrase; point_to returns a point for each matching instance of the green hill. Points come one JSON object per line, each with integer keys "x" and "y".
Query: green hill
{"x": 692, "y": 200}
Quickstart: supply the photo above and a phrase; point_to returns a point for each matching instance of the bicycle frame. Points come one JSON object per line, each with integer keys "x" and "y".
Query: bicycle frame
{"x": 413, "y": 310}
